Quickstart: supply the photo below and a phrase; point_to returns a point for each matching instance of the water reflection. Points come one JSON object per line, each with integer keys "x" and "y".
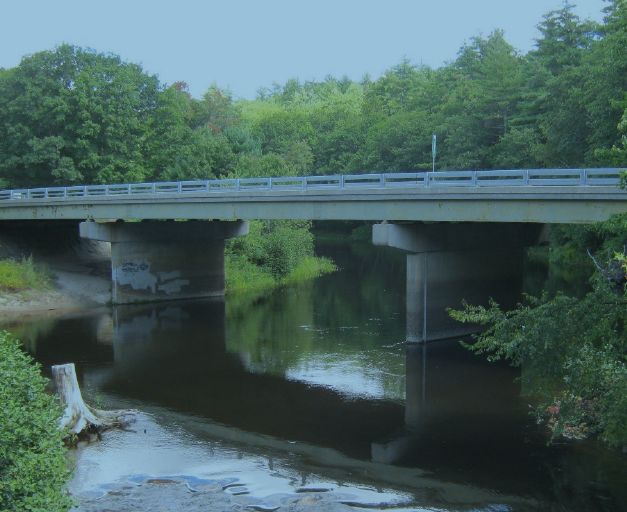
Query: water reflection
{"x": 177, "y": 356}
{"x": 286, "y": 379}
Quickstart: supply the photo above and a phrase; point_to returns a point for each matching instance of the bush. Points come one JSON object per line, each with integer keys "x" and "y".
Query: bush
{"x": 275, "y": 246}
{"x": 244, "y": 276}
{"x": 33, "y": 470}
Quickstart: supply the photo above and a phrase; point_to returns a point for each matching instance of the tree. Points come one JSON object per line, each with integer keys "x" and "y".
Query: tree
{"x": 561, "y": 113}
{"x": 401, "y": 142}
{"x": 484, "y": 88}
{"x": 605, "y": 82}
{"x": 74, "y": 116}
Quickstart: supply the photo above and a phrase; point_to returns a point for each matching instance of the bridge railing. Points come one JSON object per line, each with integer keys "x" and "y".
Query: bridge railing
{"x": 399, "y": 180}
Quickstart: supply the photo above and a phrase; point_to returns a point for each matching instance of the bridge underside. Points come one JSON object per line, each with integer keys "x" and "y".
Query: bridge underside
{"x": 449, "y": 264}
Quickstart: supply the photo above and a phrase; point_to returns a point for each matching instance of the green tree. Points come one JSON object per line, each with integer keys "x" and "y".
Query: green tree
{"x": 177, "y": 151}
{"x": 485, "y": 86}
{"x": 74, "y": 116}
{"x": 561, "y": 113}
{"x": 401, "y": 142}
{"x": 605, "y": 93}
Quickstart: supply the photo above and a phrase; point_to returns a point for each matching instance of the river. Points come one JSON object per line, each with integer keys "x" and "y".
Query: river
{"x": 314, "y": 388}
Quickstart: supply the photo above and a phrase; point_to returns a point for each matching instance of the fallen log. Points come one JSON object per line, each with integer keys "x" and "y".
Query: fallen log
{"x": 77, "y": 415}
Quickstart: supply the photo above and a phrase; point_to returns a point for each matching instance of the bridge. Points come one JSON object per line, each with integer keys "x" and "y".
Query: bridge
{"x": 526, "y": 195}
{"x": 463, "y": 231}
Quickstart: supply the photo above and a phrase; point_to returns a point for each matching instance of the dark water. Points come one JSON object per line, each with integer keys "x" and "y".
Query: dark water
{"x": 314, "y": 386}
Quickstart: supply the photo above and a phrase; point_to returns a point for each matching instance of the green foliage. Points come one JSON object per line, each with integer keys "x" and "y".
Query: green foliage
{"x": 275, "y": 246}
{"x": 243, "y": 276}
{"x": 268, "y": 165}
{"x": 33, "y": 469}
{"x": 22, "y": 275}
{"x": 76, "y": 116}
{"x": 272, "y": 250}
{"x": 309, "y": 267}
{"x": 605, "y": 86}
{"x": 572, "y": 351}
{"x": 397, "y": 143}
{"x": 73, "y": 115}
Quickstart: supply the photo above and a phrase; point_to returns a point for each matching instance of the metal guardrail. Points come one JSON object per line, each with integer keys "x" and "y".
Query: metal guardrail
{"x": 405, "y": 180}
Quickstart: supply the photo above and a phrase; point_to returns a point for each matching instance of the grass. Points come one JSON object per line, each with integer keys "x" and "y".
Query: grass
{"x": 16, "y": 276}
{"x": 309, "y": 268}
{"x": 242, "y": 276}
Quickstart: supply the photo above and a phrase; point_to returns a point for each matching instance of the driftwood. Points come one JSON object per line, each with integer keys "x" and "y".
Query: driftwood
{"x": 78, "y": 416}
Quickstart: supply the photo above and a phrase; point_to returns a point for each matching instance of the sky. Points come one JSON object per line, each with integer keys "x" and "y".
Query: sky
{"x": 244, "y": 45}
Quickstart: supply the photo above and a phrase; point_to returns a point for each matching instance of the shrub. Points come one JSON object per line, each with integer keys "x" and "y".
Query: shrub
{"x": 33, "y": 469}
{"x": 244, "y": 276}
{"x": 275, "y": 246}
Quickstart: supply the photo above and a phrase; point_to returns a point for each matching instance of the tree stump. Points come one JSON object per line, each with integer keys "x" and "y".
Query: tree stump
{"x": 78, "y": 416}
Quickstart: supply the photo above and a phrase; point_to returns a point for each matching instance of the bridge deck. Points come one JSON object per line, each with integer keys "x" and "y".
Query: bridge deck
{"x": 544, "y": 196}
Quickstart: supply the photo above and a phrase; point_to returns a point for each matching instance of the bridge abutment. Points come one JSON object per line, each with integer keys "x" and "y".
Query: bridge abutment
{"x": 448, "y": 264}
{"x": 165, "y": 260}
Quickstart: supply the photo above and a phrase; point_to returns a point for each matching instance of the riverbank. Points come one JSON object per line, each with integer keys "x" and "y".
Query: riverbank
{"x": 51, "y": 271}
{"x": 72, "y": 288}
{"x": 242, "y": 276}
{"x": 75, "y": 287}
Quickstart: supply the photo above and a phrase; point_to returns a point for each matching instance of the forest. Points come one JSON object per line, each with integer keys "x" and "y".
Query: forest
{"x": 72, "y": 115}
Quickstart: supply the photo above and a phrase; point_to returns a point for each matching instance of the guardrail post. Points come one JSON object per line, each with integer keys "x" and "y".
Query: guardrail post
{"x": 382, "y": 180}
{"x": 46, "y": 193}
{"x": 237, "y": 184}
{"x": 526, "y": 177}
{"x": 583, "y": 177}
{"x": 427, "y": 179}
{"x": 179, "y": 187}
{"x": 304, "y": 182}
{"x": 341, "y": 182}
{"x": 474, "y": 178}
{"x": 269, "y": 183}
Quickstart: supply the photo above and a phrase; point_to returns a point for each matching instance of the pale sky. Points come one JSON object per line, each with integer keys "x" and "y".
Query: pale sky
{"x": 245, "y": 44}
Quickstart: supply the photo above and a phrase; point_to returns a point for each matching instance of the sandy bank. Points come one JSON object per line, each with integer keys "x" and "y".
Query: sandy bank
{"x": 74, "y": 288}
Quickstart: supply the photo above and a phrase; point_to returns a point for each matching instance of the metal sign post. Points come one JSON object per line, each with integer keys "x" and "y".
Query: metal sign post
{"x": 434, "y": 144}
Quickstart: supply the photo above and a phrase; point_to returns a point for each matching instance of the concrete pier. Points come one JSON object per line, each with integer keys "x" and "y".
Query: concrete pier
{"x": 165, "y": 260}
{"x": 448, "y": 264}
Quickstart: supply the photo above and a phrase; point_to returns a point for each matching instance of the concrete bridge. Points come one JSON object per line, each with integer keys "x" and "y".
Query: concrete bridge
{"x": 541, "y": 196}
{"x": 460, "y": 229}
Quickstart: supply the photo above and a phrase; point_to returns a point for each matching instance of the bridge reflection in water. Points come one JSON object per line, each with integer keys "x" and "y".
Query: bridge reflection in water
{"x": 322, "y": 373}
